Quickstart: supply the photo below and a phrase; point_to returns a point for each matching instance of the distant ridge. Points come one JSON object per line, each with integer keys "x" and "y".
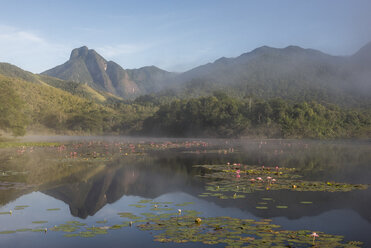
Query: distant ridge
{"x": 292, "y": 73}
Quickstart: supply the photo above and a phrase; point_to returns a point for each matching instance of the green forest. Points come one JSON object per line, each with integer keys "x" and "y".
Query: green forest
{"x": 41, "y": 107}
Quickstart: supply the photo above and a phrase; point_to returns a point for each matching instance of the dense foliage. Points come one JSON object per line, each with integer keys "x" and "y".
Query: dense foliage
{"x": 12, "y": 118}
{"x": 51, "y": 106}
{"x": 223, "y": 116}
{"x": 41, "y": 107}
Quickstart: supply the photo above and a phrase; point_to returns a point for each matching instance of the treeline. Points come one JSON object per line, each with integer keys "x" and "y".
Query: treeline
{"x": 31, "y": 106}
{"x": 223, "y": 116}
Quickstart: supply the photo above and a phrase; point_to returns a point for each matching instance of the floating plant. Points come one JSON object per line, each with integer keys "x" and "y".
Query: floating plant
{"x": 191, "y": 226}
{"x": 129, "y": 216}
{"x": 7, "y": 232}
{"x": 137, "y": 205}
{"x": 252, "y": 178}
{"x": 237, "y": 232}
{"x": 39, "y": 222}
{"x": 53, "y": 209}
{"x": 282, "y": 206}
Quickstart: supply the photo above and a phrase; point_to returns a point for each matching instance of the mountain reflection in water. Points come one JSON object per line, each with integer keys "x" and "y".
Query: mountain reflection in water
{"x": 87, "y": 186}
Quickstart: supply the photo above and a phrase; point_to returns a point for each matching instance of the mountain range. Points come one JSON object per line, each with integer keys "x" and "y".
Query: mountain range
{"x": 89, "y": 94}
{"x": 292, "y": 73}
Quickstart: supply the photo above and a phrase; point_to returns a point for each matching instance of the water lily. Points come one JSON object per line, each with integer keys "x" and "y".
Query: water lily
{"x": 179, "y": 211}
{"x": 314, "y": 235}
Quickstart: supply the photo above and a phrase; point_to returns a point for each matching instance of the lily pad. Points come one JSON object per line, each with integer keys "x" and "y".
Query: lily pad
{"x": 137, "y": 205}
{"x": 7, "y": 232}
{"x": 39, "y": 222}
{"x": 261, "y": 207}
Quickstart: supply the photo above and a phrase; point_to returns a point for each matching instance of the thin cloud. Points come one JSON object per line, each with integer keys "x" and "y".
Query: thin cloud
{"x": 28, "y": 50}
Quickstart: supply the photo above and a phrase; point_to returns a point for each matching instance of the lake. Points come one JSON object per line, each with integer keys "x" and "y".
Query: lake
{"x": 138, "y": 192}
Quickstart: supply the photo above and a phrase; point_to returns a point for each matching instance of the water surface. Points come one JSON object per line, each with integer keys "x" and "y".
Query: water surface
{"x": 92, "y": 179}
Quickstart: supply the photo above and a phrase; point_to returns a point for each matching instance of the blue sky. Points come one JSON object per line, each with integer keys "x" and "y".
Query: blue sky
{"x": 175, "y": 35}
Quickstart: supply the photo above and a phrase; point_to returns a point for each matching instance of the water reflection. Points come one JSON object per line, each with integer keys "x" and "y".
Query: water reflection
{"x": 87, "y": 186}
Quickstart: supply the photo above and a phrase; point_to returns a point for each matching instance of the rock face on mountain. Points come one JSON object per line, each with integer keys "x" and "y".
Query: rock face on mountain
{"x": 88, "y": 67}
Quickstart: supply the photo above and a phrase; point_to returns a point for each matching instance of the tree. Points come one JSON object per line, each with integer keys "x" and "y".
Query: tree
{"x": 12, "y": 117}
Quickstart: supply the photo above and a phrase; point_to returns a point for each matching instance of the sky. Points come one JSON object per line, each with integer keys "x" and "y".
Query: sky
{"x": 175, "y": 35}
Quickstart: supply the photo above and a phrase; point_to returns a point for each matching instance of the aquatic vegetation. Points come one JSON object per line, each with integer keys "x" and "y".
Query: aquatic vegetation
{"x": 39, "y": 222}
{"x": 236, "y": 233}
{"x": 129, "y": 216}
{"x": 252, "y": 178}
{"x": 53, "y": 209}
{"x": 7, "y": 232}
{"x": 28, "y": 144}
{"x": 66, "y": 228}
{"x": 20, "y": 207}
{"x": 137, "y": 205}
{"x": 190, "y": 226}
{"x": 75, "y": 222}
{"x": 24, "y": 230}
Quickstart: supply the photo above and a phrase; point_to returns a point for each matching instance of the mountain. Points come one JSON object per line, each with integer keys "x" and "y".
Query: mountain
{"x": 41, "y": 103}
{"x": 86, "y": 66}
{"x": 74, "y": 88}
{"x": 151, "y": 78}
{"x": 291, "y": 73}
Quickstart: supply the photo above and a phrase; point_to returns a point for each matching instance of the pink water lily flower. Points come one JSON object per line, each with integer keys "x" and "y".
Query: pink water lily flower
{"x": 238, "y": 171}
{"x": 314, "y": 235}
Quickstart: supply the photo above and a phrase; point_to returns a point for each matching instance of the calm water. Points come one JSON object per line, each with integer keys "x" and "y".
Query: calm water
{"x": 101, "y": 180}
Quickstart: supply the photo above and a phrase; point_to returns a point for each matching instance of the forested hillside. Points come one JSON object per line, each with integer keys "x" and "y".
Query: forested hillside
{"x": 269, "y": 92}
